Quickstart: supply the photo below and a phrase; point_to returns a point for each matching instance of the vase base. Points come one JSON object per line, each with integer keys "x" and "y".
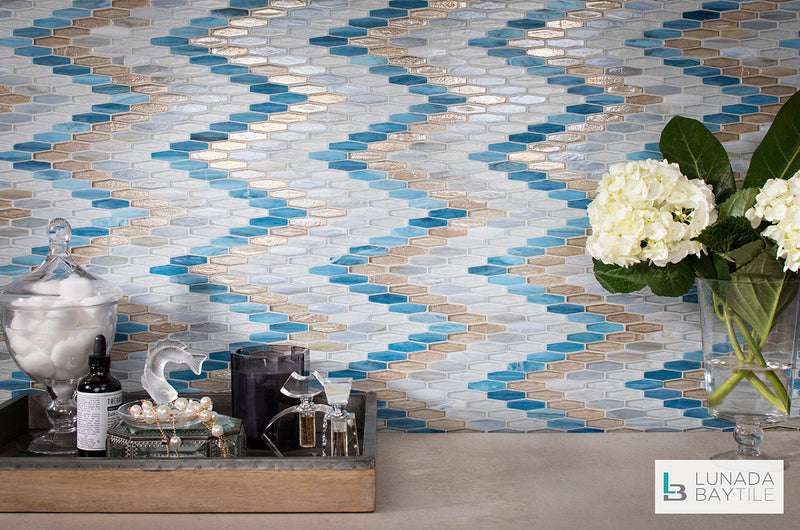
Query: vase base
{"x": 736, "y": 455}
{"x": 54, "y": 443}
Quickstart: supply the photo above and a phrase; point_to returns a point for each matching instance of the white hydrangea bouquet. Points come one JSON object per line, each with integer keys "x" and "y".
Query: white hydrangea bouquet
{"x": 663, "y": 223}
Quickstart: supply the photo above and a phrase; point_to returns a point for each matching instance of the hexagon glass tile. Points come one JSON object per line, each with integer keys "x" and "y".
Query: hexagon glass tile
{"x": 398, "y": 185}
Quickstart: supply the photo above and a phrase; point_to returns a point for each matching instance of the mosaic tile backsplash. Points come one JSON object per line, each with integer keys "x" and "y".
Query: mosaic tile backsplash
{"x": 400, "y": 185}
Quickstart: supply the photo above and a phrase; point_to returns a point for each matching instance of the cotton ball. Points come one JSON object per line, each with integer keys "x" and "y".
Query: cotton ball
{"x": 63, "y": 320}
{"x": 26, "y": 321}
{"x": 76, "y": 288}
{"x": 38, "y": 365}
{"x": 20, "y": 343}
{"x": 70, "y": 354}
{"x": 49, "y": 287}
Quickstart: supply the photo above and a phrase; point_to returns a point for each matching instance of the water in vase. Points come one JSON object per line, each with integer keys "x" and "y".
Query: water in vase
{"x": 745, "y": 403}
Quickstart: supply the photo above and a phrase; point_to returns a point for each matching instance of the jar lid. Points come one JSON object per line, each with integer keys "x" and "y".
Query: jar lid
{"x": 59, "y": 281}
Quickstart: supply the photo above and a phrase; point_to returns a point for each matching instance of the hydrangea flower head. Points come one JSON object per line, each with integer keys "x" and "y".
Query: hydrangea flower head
{"x": 648, "y": 211}
{"x": 778, "y": 202}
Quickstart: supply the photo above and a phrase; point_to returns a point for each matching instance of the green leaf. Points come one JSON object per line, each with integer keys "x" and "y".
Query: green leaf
{"x": 699, "y": 154}
{"x": 727, "y": 234}
{"x": 746, "y": 253}
{"x": 759, "y": 293}
{"x": 778, "y": 154}
{"x": 616, "y": 279}
{"x": 737, "y": 204}
{"x": 675, "y": 279}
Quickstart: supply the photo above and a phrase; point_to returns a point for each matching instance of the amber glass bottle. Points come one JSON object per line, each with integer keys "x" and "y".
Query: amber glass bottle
{"x": 98, "y": 396}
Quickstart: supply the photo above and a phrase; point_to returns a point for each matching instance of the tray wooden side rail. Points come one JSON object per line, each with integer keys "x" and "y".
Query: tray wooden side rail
{"x": 187, "y": 485}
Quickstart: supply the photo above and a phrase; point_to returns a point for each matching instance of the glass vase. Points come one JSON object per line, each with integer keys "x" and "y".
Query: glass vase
{"x": 750, "y": 346}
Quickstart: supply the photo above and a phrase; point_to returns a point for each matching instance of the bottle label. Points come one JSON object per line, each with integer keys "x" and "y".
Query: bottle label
{"x": 96, "y": 412}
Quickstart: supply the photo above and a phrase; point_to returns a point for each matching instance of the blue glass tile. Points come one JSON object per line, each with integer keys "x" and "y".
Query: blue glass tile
{"x": 644, "y": 384}
{"x": 259, "y": 200}
{"x": 720, "y": 80}
{"x": 505, "y": 376}
{"x": 526, "y": 404}
{"x": 30, "y": 33}
{"x": 267, "y": 108}
{"x": 208, "y": 60}
{"x": 51, "y": 22}
{"x": 168, "y": 270}
{"x": 51, "y": 60}
{"x": 91, "y": 118}
{"x": 663, "y": 375}
{"x": 208, "y": 174}
{"x": 189, "y": 50}
{"x": 351, "y": 279}
{"x": 486, "y": 386}
{"x": 268, "y": 88}
{"x": 110, "y": 89}
{"x": 288, "y": 327}
{"x": 31, "y": 165}
{"x": 110, "y": 204}
{"x": 506, "y": 52}
{"x": 487, "y": 157}
{"x": 682, "y": 365}
{"x": 367, "y": 288}
{"x": 682, "y": 403}
{"x": 286, "y": 98}
{"x": 348, "y": 51}
{"x": 387, "y": 414}
{"x": 348, "y": 31}
{"x": 584, "y": 109}
{"x": 32, "y": 147}
{"x": 505, "y": 395}
{"x": 387, "y": 298}
{"x": 525, "y": 23}
{"x": 228, "y": 298}
{"x": 367, "y": 22}
{"x": 407, "y": 308}
{"x": 169, "y": 41}
{"x": 327, "y": 156}
{"x": 564, "y": 347}
{"x": 347, "y": 165}
{"x": 408, "y": 79}
{"x": 267, "y": 318}
{"x": 682, "y": 24}
{"x": 701, "y": 14}
{"x": 90, "y": 194}
{"x": 662, "y": 393}
{"x": 427, "y": 337}
{"x": 229, "y": 69}
{"x": 528, "y": 62}
{"x": 388, "y": 127}
{"x": 328, "y": 41}
{"x": 790, "y": 43}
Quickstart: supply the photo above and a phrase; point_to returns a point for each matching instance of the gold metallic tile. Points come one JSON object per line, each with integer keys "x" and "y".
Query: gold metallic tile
{"x": 388, "y": 395}
{"x": 427, "y": 70}
{"x": 448, "y": 231}
{"x": 565, "y": 404}
{"x": 564, "y": 24}
{"x": 447, "y": 424}
{"x": 400, "y": 252}
{"x": 82, "y": 24}
{"x": 111, "y": 13}
{"x": 406, "y": 366}
{"x": 268, "y": 126}
{"x": 268, "y": 241}
{"x": 307, "y": 222}
{"x": 428, "y": 241}
{"x": 248, "y": 22}
{"x": 408, "y": 22}
{"x": 389, "y": 51}
{"x": 272, "y": 12}
{"x": 407, "y": 61}
{"x": 228, "y": 260}
{"x": 384, "y": 147}
{"x": 288, "y": 79}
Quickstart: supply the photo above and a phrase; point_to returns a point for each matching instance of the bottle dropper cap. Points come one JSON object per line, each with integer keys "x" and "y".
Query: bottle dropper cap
{"x": 98, "y": 356}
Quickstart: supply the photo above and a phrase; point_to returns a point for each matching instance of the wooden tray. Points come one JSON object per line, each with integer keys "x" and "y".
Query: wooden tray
{"x": 159, "y": 485}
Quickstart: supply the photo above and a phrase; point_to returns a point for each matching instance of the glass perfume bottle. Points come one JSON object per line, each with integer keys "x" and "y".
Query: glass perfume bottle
{"x": 303, "y": 388}
{"x": 340, "y": 436}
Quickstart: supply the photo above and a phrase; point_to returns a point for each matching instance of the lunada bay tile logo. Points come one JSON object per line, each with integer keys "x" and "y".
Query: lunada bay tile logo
{"x": 719, "y": 486}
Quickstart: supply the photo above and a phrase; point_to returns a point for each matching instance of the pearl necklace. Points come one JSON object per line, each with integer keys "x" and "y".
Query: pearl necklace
{"x": 181, "y": 410}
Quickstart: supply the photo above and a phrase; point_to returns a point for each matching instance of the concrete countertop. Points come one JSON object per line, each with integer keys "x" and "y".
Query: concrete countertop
{"x": 543, "y": 480}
